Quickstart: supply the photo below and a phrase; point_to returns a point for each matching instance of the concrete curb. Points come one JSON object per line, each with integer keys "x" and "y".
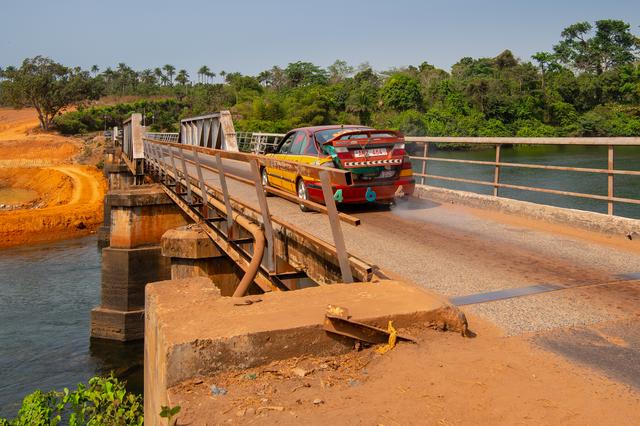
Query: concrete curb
{"x": 590, "y": 221}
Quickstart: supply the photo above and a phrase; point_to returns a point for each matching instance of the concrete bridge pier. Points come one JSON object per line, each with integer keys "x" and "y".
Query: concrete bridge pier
{"x": 192, "y": 254}
{"x": 118, "y": 177}
{"x": 140, "y": 215}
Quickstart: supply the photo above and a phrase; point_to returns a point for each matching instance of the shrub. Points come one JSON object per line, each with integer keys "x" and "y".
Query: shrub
{"x": 104, "y": 402}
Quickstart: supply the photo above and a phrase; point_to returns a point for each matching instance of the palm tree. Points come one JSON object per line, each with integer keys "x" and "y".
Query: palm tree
{"x": 94, "y": 70}
{"x": 210, "y": 75}
{"x": 109, "y": 76}
{"x": 157, "y": 72}
{"x": 170, "y": 70}
{"x": 202, "y": 72}
{"x": 182, "y": 78}
{"x": 148, "y": 77}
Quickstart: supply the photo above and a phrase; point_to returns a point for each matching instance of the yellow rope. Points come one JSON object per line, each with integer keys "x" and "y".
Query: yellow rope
{"x": 393, "y": 334}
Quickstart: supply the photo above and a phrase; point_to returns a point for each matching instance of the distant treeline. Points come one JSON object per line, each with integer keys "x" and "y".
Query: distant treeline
{"x": 587, "y": 85}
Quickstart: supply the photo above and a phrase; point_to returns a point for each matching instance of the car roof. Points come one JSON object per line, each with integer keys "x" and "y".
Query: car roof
{"x": 314, "y": 129}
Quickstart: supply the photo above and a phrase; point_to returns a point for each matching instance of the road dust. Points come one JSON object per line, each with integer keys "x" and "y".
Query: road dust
{"x": 65, "y": 198}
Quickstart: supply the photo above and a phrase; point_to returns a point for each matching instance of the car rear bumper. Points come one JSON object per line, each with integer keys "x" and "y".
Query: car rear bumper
{"x": 358, "y": 193}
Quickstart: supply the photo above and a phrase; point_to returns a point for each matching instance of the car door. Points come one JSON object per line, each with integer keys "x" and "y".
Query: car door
{"x": 275, "y": 173}
{"x": 295, "y": 154}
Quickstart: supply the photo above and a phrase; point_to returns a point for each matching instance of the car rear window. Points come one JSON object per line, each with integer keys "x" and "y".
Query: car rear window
{"x": 364, "y": 136}
{"x": 324, "y": 135}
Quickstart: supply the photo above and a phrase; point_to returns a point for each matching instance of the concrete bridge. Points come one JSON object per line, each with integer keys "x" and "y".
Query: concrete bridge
{"x": 188, "y": 208}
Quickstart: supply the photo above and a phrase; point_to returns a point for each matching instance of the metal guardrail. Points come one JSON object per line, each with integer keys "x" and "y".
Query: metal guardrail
{"x": 256, "y": 142}
{"x": 164, "y": 137}
{"x": 169, "y": 162}
{"x": 610, "y": 171}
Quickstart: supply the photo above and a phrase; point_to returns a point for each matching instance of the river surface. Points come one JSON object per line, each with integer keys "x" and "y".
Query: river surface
{"x": 46, "y": 294}
{"x": 625, "y": 158}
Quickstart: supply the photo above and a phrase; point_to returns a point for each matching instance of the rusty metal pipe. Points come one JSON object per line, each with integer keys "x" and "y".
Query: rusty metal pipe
{"x": 258, "y": 247}
{"x": 258, "y": 250}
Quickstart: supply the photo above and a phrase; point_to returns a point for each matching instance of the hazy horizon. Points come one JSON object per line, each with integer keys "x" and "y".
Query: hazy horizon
{"x": 225, "y": 37}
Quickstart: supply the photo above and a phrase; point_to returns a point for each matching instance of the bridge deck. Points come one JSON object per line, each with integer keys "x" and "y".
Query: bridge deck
{"x": 458, "y": 251}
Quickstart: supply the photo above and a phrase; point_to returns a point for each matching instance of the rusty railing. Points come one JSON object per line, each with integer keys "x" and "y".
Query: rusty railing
{"x": 181, "y": 165}
{"x": 498, "y": 142}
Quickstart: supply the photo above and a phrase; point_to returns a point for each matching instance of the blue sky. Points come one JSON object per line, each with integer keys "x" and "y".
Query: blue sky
{"x": 250, "y": 36}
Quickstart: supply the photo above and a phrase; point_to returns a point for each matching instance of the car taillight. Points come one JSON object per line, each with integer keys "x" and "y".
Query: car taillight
{"x": 343, "y": 153}
{"x": 406, "y": 169}
{"x": 398, "y": 149}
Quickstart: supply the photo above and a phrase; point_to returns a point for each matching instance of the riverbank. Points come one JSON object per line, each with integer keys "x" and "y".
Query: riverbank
{"x": 48, "y": 193}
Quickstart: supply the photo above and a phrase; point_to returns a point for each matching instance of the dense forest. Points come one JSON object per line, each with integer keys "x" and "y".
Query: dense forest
{"x": 588, "y": 84}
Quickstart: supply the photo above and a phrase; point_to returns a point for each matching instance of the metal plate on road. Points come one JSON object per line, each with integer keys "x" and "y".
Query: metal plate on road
{"x": 508, "y": 293}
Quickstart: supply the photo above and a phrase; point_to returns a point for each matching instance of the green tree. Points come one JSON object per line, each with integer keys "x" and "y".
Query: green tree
{"x": 363, "y": 95}
{"x": 47, "y": 86}
{"x": 401, "y": 93}
{"x": 339, "y": 71}
{"x": 611, "y": 45}
{"x": 305, "y": 74}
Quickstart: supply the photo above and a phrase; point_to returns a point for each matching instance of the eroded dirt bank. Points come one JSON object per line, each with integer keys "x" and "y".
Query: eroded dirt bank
{"x": 68, "y": 200}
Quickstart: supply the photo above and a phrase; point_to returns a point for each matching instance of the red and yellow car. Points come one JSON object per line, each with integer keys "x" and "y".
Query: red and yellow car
{"x": 376, "y": 159}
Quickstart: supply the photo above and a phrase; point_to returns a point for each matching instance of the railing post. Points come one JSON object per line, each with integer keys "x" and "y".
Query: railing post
{"x": 203, "y": 188}
{"x": 336, "y": 229}
{"x": 186, "y": 175}
{"x": 225, "y": 194}
{"x": 425, "y": 153}
{"x": 148, "y": 156}
{"x": 156, "y": 159}
{"x": 159, "y": 154}
{"x": 496, "y": 175}
{"x": 175, "y": 169}
{"x": 266, "y": 216}
{"x": 610, "y": 168}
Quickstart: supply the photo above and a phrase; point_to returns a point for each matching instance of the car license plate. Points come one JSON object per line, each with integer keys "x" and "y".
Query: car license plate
{"x": 372, "y": 152}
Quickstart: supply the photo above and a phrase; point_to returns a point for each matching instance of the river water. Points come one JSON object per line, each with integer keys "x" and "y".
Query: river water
{"x": 625, "y": 158}
{"x": 46, "y": 294}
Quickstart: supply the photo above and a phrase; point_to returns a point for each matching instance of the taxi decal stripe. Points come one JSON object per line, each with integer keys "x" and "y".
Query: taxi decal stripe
{"x": 372, "y": 162}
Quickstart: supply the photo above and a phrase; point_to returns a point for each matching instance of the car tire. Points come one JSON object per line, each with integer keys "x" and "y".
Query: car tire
{"x": 301, "y": 190}
{"x": 265, "y": 182}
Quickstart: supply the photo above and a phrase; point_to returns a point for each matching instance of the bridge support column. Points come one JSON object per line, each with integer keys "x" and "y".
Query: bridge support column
{"x": 118, "y": 177}
{"x": 193, "y": 254}
{"x": 139, "y": 217}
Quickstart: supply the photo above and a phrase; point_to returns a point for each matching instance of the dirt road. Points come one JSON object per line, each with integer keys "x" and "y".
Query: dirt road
{"x": 70, "y": 195}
